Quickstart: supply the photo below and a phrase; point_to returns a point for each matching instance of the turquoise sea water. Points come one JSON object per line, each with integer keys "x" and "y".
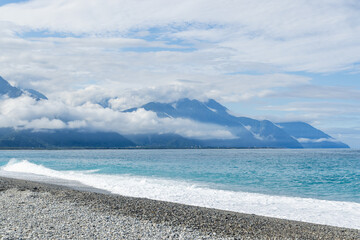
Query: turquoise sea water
{"x": 322, "y": 174}
{"x": 188, "y": 175}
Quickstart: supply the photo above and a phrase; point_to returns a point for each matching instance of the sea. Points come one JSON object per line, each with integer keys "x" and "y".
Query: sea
{"x": 311, "y": 185}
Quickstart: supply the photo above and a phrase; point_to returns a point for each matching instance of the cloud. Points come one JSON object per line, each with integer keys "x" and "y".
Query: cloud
{"x": 232, "y": 88}
{"x": 297, "y": 36}
{"x": 318, "y": 92}
{"x": 319, "y": 140}
{"x": 127, "y": 53}
{"x": 45, "y": 123}
{"x": 27, "y": 113}
{"x": 135, "y": 44}
{"x": 319, "y": 108}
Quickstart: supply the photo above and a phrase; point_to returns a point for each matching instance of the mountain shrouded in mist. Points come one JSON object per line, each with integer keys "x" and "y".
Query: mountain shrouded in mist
{"x": 248, "y": 132}
{"x": 185, "y": 123}
{"x": 14, "y": 92}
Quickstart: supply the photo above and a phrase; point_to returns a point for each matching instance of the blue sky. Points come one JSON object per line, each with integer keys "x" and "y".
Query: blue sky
{"x": 4, "y": 2}
{"x": 277, "y": 60}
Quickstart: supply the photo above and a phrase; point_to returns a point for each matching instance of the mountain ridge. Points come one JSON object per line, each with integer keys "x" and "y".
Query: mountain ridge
{"x": 13, "y": 92}
{"x": 250, "y": 132}
{"x": 247, "y": 132}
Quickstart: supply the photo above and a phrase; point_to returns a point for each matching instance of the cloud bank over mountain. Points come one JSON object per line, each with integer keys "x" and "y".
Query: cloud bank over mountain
{"x": 29, "y": 121}
{"x": 27, "y": 112}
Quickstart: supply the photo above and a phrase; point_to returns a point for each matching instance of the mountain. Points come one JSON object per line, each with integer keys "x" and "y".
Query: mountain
{"x": 169, "y": 140}
{"x": 35, "y": 94}
{"x": 249, "y": 132}
{"x": 14, "y": 92}
{"x": 7, "y": 89}
{"x": 64, "y": 138}
{"x": 309, "y": 136}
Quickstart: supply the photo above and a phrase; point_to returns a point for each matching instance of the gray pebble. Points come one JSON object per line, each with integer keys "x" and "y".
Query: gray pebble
{"x": 31, "y": 210}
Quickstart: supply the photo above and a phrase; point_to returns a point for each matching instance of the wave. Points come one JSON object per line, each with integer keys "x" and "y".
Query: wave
{"x": 335, "y": 213}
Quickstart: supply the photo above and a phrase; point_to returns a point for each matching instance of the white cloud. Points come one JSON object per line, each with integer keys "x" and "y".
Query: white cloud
{"x": 318, "y": 92}
{"x": 298, "y": 35}
{"x": 318, "y": 108}
{"x": 226, "y": 37}
{"x": 45, "y": 123}
{"x": 319, "y": 140}
{"x": 132, "y": 52}
{"x": 26, "y": 113}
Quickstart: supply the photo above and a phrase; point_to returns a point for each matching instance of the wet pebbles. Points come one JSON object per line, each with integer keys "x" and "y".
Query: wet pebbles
{"x": 31, "y": 210}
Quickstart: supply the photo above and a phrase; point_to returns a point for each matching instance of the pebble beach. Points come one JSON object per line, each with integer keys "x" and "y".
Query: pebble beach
{"x": 31, "y": 210}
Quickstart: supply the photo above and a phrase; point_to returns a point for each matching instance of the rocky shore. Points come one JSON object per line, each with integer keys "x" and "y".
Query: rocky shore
{"x": 30, "y": 210}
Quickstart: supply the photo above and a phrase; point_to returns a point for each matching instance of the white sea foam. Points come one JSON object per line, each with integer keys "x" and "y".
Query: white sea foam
{"x": 342, "y": 214}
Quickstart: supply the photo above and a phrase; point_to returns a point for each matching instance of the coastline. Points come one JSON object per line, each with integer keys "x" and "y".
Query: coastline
{"x": 92, "y": 215}
{"x": 140, "y": 148}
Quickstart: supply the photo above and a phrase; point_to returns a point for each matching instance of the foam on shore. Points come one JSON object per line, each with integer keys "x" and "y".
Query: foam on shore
{"x": 43, "y": 211}
{"x": 335, "y": 213}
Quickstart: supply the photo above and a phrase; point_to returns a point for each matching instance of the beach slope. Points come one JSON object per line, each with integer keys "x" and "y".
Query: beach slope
{"x": 30, "y": 210}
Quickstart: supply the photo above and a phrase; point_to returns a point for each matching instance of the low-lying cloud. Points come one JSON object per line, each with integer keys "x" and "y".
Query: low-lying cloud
{"x": 27, "y": 113}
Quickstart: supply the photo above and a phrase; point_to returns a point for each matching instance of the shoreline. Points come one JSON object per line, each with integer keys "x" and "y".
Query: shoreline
{"x": 145, "y": 148}
{"x": 171, "y": 218}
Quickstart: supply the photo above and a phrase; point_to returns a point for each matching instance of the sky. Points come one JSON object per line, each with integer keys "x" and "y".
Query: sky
{"x": 279, "y": 60}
